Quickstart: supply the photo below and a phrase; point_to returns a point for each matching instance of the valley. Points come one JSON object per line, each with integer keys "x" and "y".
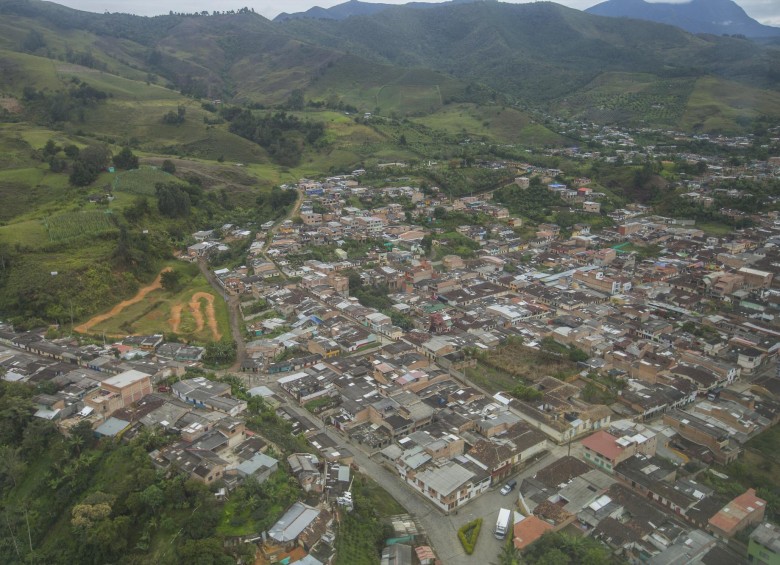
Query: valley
{"x": 318, "y": 289}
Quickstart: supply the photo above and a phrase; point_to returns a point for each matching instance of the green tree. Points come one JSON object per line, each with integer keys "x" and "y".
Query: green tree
{"x": 172, "y": 200}
{"x": 171, "y": 280}
{"x": 208, "y": 551}
{"x": 168, "y": 167}
{"x": 125, "y": 159}
{"x": 296, "y": 100}
{"x": 509, "y": 554}
{"x": 12, "y": 465}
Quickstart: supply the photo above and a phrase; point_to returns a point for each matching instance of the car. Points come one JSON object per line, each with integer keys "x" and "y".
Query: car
{"x": 508, "y": 487}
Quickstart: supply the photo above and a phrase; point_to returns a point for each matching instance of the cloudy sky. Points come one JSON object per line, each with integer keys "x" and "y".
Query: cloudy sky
{"x": 765, "y": 11}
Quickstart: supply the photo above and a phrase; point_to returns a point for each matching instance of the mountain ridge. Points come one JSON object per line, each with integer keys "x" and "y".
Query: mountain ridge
{"x": 718, "y": 17}
{"x": 358, "y": 8}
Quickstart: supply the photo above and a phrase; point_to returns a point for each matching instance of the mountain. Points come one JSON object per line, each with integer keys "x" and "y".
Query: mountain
{"x": 719, "y": 17}
{"x": 411, "y": 61}
{"x": 539, "y": 51}
{"x": 357, "y": 8}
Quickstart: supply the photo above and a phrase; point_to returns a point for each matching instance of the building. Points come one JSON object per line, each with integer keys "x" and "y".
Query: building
{"x": 204, "y": 393}
{"x": 120, "y": 391}
{"x": 745, "y": 510}
{"x": 605, "y": 451}
{"x": 764, "y": 545}
{"x": 290, "y": 526}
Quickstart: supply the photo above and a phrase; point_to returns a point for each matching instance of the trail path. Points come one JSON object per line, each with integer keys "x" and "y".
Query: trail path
{"x": 175, "y": 320}
{"x": 156, "y": 284}
{"x": 210, "y": 313}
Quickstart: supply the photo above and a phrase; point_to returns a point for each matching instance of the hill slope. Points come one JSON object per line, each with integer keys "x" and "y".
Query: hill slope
{"x": 697, "y": 16}
{"x": 356, "y": 8}
{"x": 538, "y": 51}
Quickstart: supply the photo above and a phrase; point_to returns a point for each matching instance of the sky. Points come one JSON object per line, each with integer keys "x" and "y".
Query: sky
{"x": 765, "y": 11}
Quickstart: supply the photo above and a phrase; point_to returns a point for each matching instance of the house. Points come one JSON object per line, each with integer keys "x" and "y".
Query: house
{"x": 119, "y": 391}
{"x": 724, "y": 449}
{"x": 528, "y": 530}
{"x": 259, "y": 467}
{"x": 451, "y": 483}
{"x": 289, "y": 527}
{"x": 204, "y": 393}
{"x": 764, "y": 545}
{"x": 745, "y": 510}
{"x": 605, "y": 450}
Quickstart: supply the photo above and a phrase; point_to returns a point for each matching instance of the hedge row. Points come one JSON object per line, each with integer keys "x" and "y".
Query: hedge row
{"x": 468, "y": 534}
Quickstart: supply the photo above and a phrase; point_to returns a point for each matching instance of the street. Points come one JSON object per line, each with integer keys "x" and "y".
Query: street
{"x": 441, "y": 529}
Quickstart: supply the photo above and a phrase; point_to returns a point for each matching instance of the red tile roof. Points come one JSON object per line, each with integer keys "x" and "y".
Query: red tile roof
{"x": 744, "y": 509}
{"x": 604, "y": 444}
{"x": 529, "y": 530}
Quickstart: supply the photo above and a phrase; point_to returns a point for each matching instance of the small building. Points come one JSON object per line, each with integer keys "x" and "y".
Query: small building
{"x": 605, "y": 450}
{"x": 297, "y": 518}
{"x": 764, "y": 545}
{"x": 528, "y": 530}
{"x": 745, "y": 510}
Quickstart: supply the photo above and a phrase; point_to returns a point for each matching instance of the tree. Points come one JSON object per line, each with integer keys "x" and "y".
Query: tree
{"x": 220, "y": 352}
{"x": 12, "y": 465}
{"x": 71, "y": 151}
{"x": 208, "y": 551}
{"x": 175, "y": 118}
{"x": 509, "y": 554}
{"x": 50, "y": 148}
{"x": 82, "y": 175}
{"x": 33, "y": 41}
{"x": 171, "y": 280}
{"x": 168, "y": 167}
{"x": 89, "y": 162}
{"x": 96, "y": 156}
{"x": 296, "y": 100}
{"x": 125, "y": 159}
{"x": 172, "y": 200}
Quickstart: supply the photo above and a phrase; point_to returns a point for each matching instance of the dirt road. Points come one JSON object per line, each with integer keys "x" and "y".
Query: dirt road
{"x": 210, "y": 313}
{"x": 156, "y": 284}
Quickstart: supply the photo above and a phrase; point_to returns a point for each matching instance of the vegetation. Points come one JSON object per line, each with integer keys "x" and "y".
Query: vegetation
{"x": 758, "y": 468}
{"x": 564, "y": 549}
{"x": 74, "y": 499}
{"x": 70, "y": 225}
{"x": 282, "y": 135}
{"x": 362, "y": 532}
{"x": 220, "y": 353}
{"x": 468, "y": 535}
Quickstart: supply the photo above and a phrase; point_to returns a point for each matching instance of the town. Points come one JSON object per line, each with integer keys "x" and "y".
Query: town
{"x": 594, "y": 378}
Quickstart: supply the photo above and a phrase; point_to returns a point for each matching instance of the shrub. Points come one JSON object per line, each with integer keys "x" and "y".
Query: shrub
{"x": 468, "y": 534}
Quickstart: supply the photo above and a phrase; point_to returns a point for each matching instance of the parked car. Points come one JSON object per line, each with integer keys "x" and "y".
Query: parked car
{"x": 508, "y": 487}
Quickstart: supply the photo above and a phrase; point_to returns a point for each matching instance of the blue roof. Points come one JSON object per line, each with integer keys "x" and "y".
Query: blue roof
{"x": 111, "y": 427}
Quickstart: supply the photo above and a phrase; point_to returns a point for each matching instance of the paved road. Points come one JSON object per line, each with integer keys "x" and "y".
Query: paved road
{"x": 441, "y": 529}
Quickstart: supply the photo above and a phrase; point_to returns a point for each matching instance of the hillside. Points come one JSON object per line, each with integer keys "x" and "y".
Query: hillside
{"x": 356, "y": 8}
{"x": 540, "y": 51}
{"x": 719, "y": 17}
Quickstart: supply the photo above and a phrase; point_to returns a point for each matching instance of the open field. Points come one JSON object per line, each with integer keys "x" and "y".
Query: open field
{"x": 193, "y": 313}
{"x": 721, "y": 105}
{"x": 501, "y": 123}
{"x": 636, "y": 97}
{"x": 511, "y": 364}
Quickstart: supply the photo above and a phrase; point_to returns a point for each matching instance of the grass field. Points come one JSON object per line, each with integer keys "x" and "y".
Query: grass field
{"x": 501, "y": 123}
{"x": 142, "y": 180}
{"x": 724, "y": 106}
{"x": 156, "y": 312}
{"x": 633, "y": 97}
{"x": 74, "y": 224}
